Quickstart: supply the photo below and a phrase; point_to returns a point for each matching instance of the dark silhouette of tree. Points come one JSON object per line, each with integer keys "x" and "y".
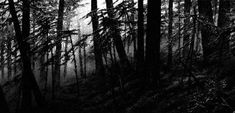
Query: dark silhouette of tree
{"x": 29, "y": 83}
{"x": 153, "y": 43}
{"x": 117, "y": 37}
{"x": 140, "y": 50}
{"x": 170, "y": 16}
{"x": 224, "y": 22}
{"x": 187, "y": 7}
{"x": 3, "y": 104}
{"x": 2, "y": 57}
{"x": 205, "y": 13}
{"x": 99, "y": 66}
{"x": 56, "y": 74}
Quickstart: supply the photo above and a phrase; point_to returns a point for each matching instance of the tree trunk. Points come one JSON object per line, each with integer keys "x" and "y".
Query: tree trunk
{"x": 65, "y": 49}
{"x": 80, "y": 54}
{"x": 96, "y": 38}
{"x": 84, "y": 58}
{"x": 215, "y": 11}
{"x": 153, "y": 43}
{"x": 56, "y": 74}
{"x": 117, "y": 38}
{"x": 9, "y": 70}
{"x": 2, "y": 59}
{"x": 224, "y": 22}
{"x": 205, "y": 12}
{"x": 15, "y": 59}
{"x": 169, "y": 62}
{"x": 75, "y": 66}
{"x": 179, "y": 30}
{"x": 28, "y": 81}
{"x": 187, "y": 6}
{"x": 3, "y": 104}
{"x": 140, "y": 41}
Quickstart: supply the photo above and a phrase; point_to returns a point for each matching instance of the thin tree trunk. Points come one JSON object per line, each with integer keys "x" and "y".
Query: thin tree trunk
{"x": 9, "y": 70}
{"x": 84, "y": 58}
{"x": 15, "y": 59}
{"x": 215, "y": 11}
{"x": 80, "y": 54}
{"x": 193, "y": 39}
{"x": 169, "y": 62}
{"x": 56, "y": 74}
{"x": 2, "y": 58}
{"x": 179, "y": 29}
{"x": 66, "y": 47}
{"x": 75, "y": 66}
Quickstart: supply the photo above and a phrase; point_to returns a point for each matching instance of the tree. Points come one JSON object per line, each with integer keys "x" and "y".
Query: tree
{"x": 153, "y": 43}
{"x": 170, "y": 16}
{"x": 56, "y": 74}
{"x": 140, "y": 42}
{"x": 29, "y": 83}
{"x": 3, "y": 104}
{"x": 99, "y": 66}
{"x": 187, "y": 6}
{"x": 2, "y": 57}
{"x": 205, "y": 12}
{"x": 224, "y": 22}
{"x": 117, "y": 37}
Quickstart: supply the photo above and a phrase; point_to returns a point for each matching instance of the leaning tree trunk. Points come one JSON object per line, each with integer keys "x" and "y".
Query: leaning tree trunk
{"x": 117, "y": 38}
{"x": 56, "y": 74}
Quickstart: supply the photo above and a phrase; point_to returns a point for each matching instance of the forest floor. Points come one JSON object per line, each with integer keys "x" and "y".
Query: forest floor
{"x": 179, "y": 93}
{"x": 94, "y": 98}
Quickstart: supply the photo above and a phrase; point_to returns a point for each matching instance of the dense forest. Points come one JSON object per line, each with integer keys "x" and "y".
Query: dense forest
{"x": 51, "y": 63}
